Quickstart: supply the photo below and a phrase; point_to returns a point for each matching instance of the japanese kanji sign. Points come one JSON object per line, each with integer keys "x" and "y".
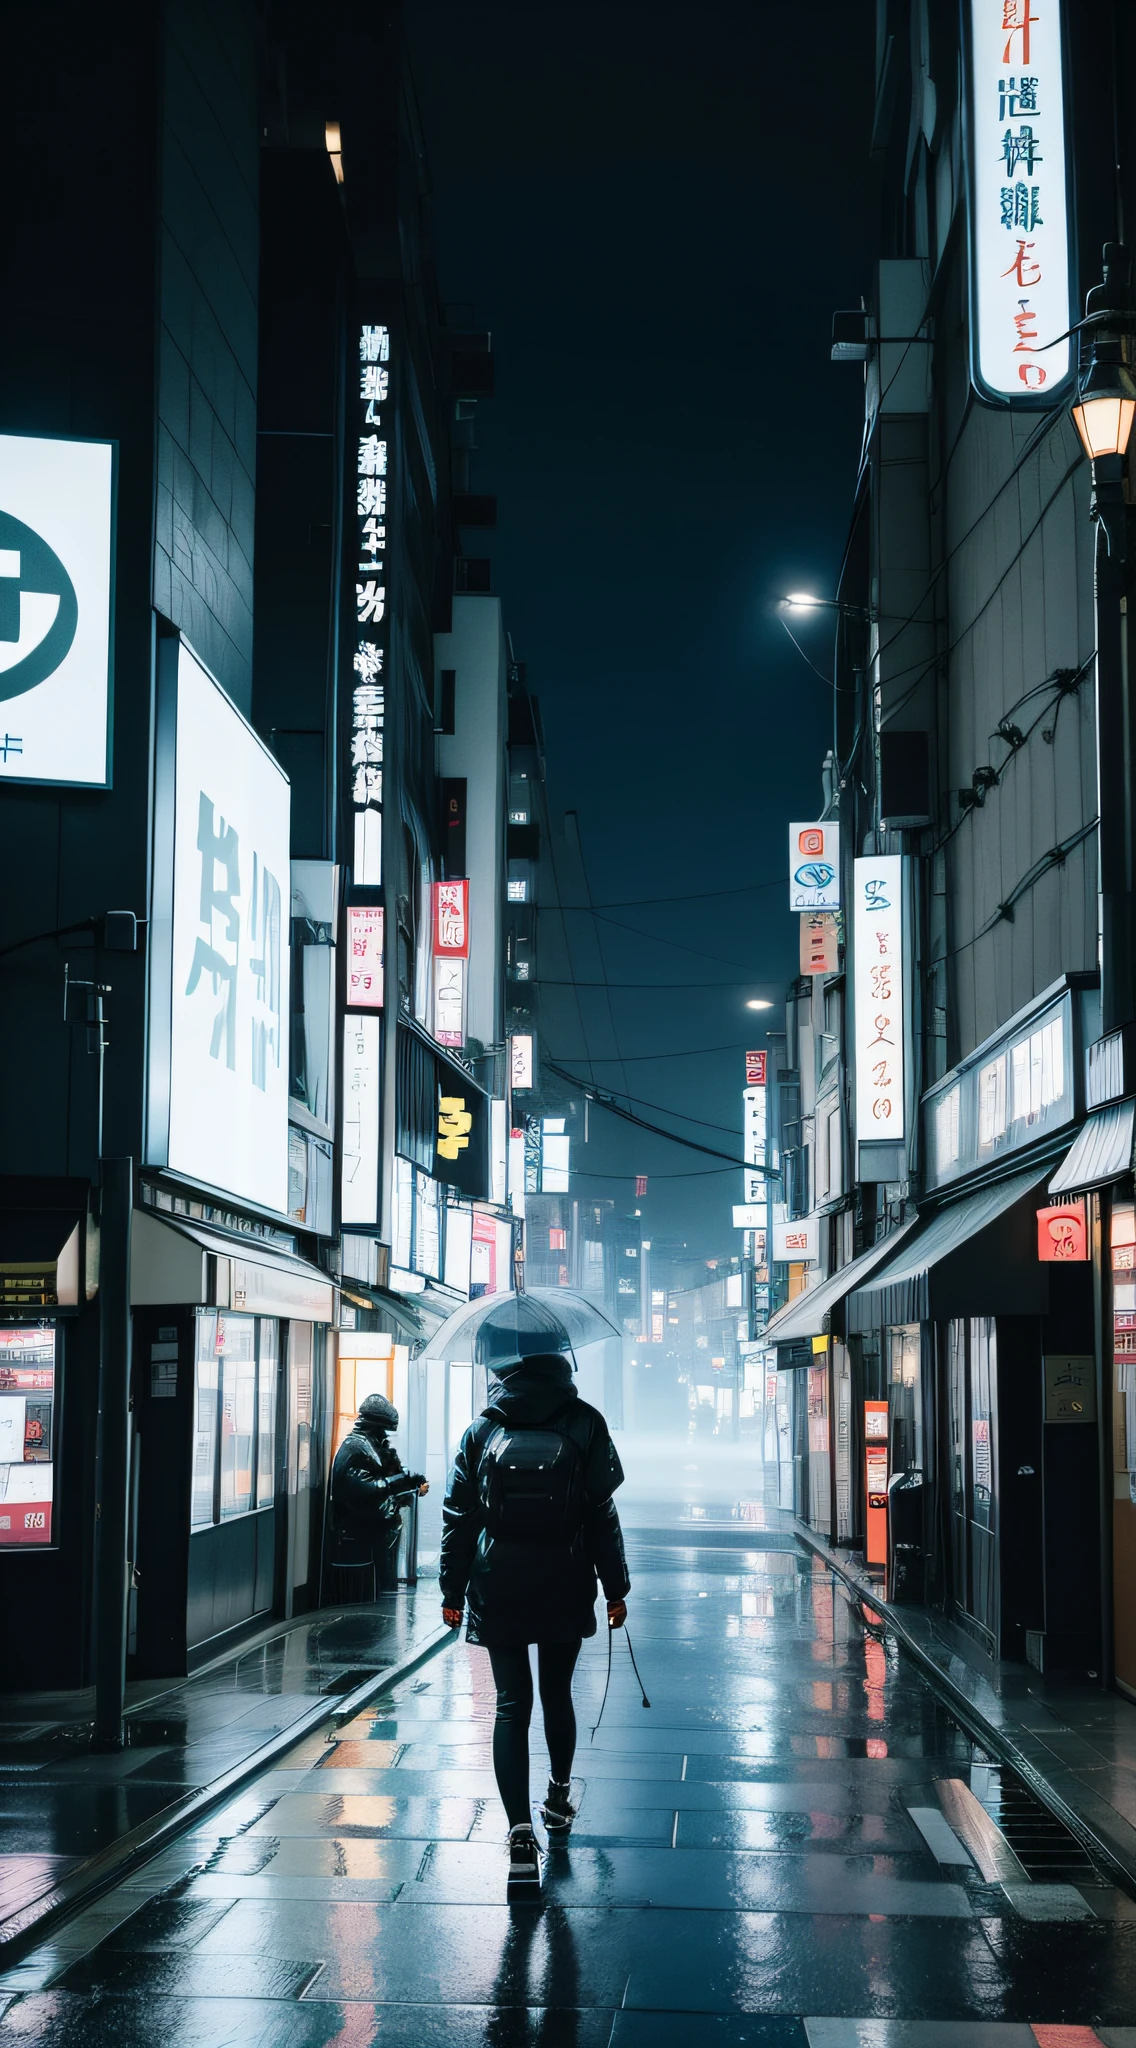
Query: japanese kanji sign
{"x": 219, "y": 1067}
{"x": 364, "y": 958}
{"x": 798, "y": 1242}
{"x": 1062, "y": 1232}
{"x": 521, "y": 1060}
{"x": 1020, "y": 282}
{"x": 372, "y": 404}
{"x": 449, "y": 1001}
{"x": 451, "y": 920}
{"x": 820, "y": 942}
{"x": 362, "y": 1084}
{"x": 56, "y": 514}
{"x": 878, "y": 997}
{"x": 755, "y": 1069}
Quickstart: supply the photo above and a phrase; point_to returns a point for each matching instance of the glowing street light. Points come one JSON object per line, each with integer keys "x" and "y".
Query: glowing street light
{"x": 758, "y": 1003}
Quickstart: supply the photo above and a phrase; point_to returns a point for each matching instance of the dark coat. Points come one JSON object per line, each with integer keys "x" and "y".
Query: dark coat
{"x": 366, "y": 1493}
{"x": 524, "y": 1593}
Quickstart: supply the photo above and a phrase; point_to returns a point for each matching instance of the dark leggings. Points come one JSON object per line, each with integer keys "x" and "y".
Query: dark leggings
{"x": 512, "y": 1675}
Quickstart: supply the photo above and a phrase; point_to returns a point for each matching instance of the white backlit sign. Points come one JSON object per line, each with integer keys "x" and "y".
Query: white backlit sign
{"x": 749, "y": 1216}
{"x": 362, "y": 1087}
{"x": 449, "y": 1001}
{"x": 1020, "y": 283}
{"x": 753, "y": 1148}
{"x": 364, "y": 957}
{"x": 521, "y": 1060}
{"x": 814, "y": 867}
{"x": 56, "y": 511}
{"x": 797, "y": 1243}
{"x": 220, "y": 979}
{"x": 878, "y": 997}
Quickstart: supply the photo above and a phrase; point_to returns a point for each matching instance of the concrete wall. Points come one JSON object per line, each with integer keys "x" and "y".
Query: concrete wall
{"x": 207, "y": 334}
{"x": 1019, "y": 605}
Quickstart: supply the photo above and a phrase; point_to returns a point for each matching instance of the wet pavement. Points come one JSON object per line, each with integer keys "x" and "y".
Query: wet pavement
{"x": 61, "y": 1806}
{"x": 796, "y": 1844}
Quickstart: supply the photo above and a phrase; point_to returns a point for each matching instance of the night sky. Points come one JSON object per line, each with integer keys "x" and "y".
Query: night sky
{"x": 656, "y": 210}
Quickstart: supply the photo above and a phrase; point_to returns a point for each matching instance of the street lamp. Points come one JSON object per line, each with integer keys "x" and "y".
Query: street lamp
{"x": 1106, "y": 402}
{"x": 1103, "y": 413}
{"x": 758, "y": 1003}
{"x": 804, "y": 601}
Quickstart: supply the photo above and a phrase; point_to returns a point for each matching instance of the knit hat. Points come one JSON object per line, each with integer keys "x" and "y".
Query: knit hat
{"x": 377, "y": 1410}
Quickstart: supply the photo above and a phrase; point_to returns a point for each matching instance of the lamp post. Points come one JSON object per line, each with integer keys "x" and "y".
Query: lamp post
{"x": 1103, "y": 412}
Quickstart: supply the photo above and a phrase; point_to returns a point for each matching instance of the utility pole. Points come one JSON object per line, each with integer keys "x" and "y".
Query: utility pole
{"x": 112, "y": 1454}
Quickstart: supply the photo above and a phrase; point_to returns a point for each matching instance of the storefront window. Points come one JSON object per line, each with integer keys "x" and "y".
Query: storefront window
{"x": 905, "y": 1396}
{"x": 236, "y": 1375}
{"x": 27, "y": 1435}
{"x": 1123, "y": 1242}
{"x": 820, "y": 1480}
{"x": 205, "y": 1384}
{"x": 982, "y": 1366}
{"x": 267, "y": 1376}
{"x": 236, "y": 1341}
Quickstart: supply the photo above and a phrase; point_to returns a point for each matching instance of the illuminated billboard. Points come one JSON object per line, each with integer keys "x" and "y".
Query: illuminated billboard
{"x": 1019, "y": 201}
{"x": 219, "y": 1011}
{"x": 56, "y": 568}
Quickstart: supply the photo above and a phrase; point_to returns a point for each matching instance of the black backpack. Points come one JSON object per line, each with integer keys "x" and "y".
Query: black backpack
{"x": 531, "y": 1483}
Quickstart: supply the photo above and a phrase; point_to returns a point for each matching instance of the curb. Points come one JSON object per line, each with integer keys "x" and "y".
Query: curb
{"x": 1116, "y": 1868}
{"x": 33, "y": 1924}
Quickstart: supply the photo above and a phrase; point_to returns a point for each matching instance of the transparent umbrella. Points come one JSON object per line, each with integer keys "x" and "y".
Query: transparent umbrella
{"x": 500, "y": 1326}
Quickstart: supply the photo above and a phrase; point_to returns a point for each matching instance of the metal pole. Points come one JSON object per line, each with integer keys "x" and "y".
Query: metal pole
{"x": 112, "y": 1504}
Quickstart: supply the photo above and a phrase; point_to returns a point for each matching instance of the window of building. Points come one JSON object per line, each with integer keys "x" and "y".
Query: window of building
{"x": 236, "y": 1371}
{"x": 1038, "y": 1065}
{"x": 905, "y": 1355}
{"x": 991, "y": 1102}
{"x": 947, "y": 1130}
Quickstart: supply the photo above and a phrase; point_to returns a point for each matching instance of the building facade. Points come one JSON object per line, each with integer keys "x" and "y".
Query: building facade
{"x": 255, "y": 979}
{"x": 952, "y": 1407}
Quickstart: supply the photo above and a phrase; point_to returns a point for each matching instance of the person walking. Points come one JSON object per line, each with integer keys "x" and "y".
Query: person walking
{"x": 369, "y": 1490}
{"x": 528, "y": 1525}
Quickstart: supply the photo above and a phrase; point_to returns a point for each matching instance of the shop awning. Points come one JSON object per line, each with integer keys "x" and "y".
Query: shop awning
{"x": 810, "y": 1314}
{"x": 174, "y": 1261}
{"x": 976, "y": 1256}
{"x": 1100, "y": 1153}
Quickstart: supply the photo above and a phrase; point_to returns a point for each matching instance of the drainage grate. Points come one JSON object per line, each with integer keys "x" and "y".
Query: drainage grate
{"x": 1043, "y": 1845}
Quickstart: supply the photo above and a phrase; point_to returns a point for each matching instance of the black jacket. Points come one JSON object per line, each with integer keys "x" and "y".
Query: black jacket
{"x": 519, "y": 1593}
{"x": 368, "y": 1484}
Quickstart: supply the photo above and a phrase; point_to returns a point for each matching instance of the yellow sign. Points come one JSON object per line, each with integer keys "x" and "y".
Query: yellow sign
{"x": 454, "y": 1126}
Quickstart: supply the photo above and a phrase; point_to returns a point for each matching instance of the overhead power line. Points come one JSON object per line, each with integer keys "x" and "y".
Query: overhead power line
{"x": 663, "y": 1108}
{"x": 631, "y": 1058}
{"x": 605, "y": 1101}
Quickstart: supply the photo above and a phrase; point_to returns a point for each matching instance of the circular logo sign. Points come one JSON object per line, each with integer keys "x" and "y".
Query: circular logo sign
{"x": 38, "y": 608}
{"x": 815, "y": 874}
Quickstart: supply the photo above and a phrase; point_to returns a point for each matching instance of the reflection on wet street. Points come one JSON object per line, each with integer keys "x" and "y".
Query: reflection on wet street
{"x": 795, "y": 1840}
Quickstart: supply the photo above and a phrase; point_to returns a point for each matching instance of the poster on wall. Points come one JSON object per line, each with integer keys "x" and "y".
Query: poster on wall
{"x": 56, "y": 571}
{"x": 219, "y": 1010}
